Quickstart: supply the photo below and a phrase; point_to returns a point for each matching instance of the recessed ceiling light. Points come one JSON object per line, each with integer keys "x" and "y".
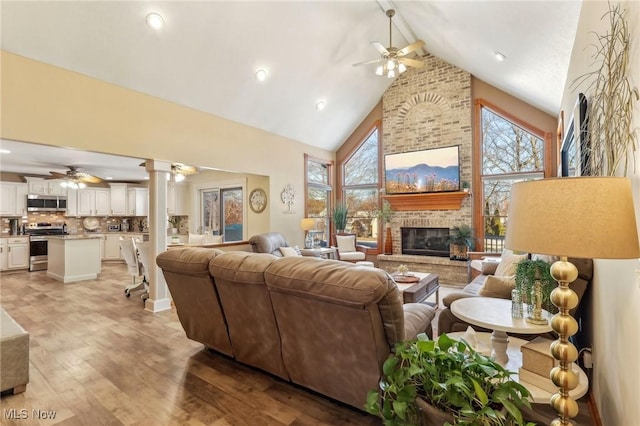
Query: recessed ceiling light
{"x": 5, "y": 151}
{"x": 500, "y": 57}
{"x": 261, "y": 75}
{"x": 109, "y": 178}
{"x": 155, "y": 21}
{"x": 320, "y": 105}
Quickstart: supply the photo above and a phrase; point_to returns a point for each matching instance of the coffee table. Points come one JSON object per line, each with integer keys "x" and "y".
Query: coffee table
{"x": 417, "y": 286}
{"x": 495, "y": 314}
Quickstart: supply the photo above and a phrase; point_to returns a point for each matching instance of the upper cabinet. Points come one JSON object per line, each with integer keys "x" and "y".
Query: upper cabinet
{"x": 137, "y": 202}
{"x": 13, "y": 199}
{"x": 94, "y": 202}
{"x": 118, "y": 199}
{"x": 42, "y": 186}
{"x": 177, "y": 204}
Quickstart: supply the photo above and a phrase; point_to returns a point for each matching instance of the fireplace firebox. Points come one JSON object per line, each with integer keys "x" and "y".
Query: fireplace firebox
{"x": 425, "y": 241}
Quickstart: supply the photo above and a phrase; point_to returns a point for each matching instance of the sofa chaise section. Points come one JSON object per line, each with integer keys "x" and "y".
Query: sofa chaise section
{"x": 195, "y": 296}
{"x": 338, "y": 323}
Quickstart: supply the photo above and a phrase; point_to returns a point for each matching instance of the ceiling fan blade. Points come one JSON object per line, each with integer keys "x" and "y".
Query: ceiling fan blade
{"x": 411, "y": 62}
{"x": 380, "y": 48}
{"x": 410, "y": 48}
{"x": 56, "y": 175}
{"x": 87, "y": 178}
{"x": 370, "y": 62}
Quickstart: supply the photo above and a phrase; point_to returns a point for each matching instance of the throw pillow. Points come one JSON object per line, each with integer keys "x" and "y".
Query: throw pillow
{"x": 346, "y": 243}
{"x": 288, "y": 251}
{"x": 489, "y": 267}
{"x": 497, "y": 286}
{"x": 507, "y": 266}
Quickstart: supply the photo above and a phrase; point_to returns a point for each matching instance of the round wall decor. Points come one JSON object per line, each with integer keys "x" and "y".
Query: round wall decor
{"x": 258, "y": 200}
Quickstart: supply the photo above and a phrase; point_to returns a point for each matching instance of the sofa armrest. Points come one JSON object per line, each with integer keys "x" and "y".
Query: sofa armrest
{"x": 363, "y": 249}
{"x": 453, "y": 296}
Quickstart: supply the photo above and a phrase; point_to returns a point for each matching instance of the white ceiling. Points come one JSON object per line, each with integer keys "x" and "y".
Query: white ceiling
{"x": 207, "y": 53}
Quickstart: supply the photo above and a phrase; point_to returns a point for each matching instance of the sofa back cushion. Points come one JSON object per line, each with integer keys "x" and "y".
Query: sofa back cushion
{"x": 337, "y": 321}
{"x": 246, "y": 302}
{"x": 269, "y": 242}
{"x": 194, "y": 294}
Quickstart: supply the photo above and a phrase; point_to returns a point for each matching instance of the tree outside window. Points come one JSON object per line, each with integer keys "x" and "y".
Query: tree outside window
{"x": 510, "y": 154}
{"x": 319, "y": 190}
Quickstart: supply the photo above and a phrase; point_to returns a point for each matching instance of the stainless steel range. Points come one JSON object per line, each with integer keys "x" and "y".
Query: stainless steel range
{"x": 38, "y": 243}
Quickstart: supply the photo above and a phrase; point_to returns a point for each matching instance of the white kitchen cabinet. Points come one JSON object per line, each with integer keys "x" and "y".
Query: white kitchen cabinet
{"x": 4, "y": 249}
{"x": 42, "y": 186}
{"x": 112, "y": 247}
{"x": 177, "y": 204}
{"x": 94, "y": 202}
{"x": 137, "y": 202}
{"x": 18, "y": 253}
{"x": 118, "y": 199}
{"x": 72, "y": 203}
{"x": 13, "y": 199}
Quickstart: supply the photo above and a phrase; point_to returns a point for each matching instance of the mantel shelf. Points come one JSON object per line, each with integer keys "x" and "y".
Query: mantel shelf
{"x": 431, "y": 201}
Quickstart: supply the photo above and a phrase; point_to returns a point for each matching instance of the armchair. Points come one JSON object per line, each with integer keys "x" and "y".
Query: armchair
{"x": 348, "y": 248}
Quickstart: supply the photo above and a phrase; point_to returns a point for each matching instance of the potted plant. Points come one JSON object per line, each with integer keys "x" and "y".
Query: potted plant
{"x": 527, "y": 272}
{"x": 460, "y": 241}
{"x": 174, "y": 221}
{"x": 340, "y": 217}
{"x": 385, "y": 214}
{"x": 452, "y": 382}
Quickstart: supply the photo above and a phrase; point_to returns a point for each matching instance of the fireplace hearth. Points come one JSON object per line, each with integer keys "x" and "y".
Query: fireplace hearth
{"x": 425, "y": 241}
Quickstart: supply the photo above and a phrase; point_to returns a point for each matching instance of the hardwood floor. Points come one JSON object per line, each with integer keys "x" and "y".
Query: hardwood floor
{"x": 97, "y": 357}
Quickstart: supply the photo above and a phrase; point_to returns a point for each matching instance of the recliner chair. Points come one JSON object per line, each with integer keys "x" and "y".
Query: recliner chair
{"x": 269, "y": 242}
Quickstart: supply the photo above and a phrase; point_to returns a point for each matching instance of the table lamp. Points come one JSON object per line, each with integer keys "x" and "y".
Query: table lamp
{"x": 307, "y": 224}
{"x": 582, "y": 217}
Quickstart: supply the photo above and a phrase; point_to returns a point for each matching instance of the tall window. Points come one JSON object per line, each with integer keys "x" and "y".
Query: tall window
{"x": 360, "y": 190}
{"x": 510, "y": 152}
{"x": 319, "y": 190}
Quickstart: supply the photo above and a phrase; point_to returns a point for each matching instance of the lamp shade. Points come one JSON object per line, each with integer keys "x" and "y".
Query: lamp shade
{"x": 584, "y": 217}
{"x": 307, "y": 224}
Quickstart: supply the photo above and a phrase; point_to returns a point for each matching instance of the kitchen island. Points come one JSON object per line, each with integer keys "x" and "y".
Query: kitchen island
{"x": 74, "y": 257}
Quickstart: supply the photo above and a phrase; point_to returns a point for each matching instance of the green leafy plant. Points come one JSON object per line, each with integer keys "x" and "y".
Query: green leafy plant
{"x": 527, "y": 272}
{"x": 461, "y": 235}
{"x": 450, "y": 376}
{"x": 340, "y": 216}
{"x": 175, "y": 221}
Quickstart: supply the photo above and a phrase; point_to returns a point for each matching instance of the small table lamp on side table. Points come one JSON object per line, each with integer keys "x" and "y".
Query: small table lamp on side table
{"x": 307, "y": 224}
{"x": 581, "y": 217}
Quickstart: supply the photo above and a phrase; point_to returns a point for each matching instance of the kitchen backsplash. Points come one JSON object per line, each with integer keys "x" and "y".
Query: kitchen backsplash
{"x": 75, "y": 226}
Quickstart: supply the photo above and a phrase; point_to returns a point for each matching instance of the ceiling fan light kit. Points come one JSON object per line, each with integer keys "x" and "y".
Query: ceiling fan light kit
{"x": 74, "y": 179}
{"x": 393, "y": 62}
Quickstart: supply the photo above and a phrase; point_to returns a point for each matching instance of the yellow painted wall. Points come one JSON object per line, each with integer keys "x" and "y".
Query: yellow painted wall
{"x": 49, "y": 105}
{"x": 616, "y": 284}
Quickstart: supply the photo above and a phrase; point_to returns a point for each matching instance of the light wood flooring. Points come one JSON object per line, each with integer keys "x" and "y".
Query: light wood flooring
{"x": 96, "y": 357}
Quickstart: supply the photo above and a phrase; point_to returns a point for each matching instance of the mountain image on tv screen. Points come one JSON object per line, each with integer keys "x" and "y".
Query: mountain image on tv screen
{"x": 431, "y": 170}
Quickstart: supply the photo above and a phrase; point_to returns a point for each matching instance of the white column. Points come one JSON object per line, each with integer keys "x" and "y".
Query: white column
{"x": 158, "y": 293}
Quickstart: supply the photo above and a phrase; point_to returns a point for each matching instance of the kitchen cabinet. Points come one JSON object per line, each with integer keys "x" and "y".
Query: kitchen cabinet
{"x": 45, "y": 186}
{"x": 118, "y": 199}
{"x": 177, "y": 203}
{"x": 4, "y": 249}
{"x": 18, "y": 253}
{"x": 112, "y": 247}
{"x": 14, "y": 253}
{"x": 72, "y": 203}
{"x": 137, "y": 202}
{"x": 13, "y": 199}
{"x": 94, "y": 202}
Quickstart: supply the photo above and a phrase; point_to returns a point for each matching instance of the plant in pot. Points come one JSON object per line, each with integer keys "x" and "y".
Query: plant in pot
{"x": 527, "y": 272}
{"x": 384, "y": 215}
{"x": 174, "y": 221}
{"x": 340, "y": 217}
{"x": 460, "y": 241}
{"x": 429, "y": 382}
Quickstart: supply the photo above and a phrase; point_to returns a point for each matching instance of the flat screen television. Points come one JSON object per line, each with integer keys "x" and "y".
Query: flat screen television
{"x": 427, "y": 170}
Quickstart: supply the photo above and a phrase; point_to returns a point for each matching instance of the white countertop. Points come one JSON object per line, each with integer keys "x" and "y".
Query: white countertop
{"x": 74, "y": 237}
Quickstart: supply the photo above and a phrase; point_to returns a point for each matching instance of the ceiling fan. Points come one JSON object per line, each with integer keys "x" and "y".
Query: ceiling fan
{"x": 74, "y": 178}
{"x": 179, "y": 170}
{"x": 393, "y": 61}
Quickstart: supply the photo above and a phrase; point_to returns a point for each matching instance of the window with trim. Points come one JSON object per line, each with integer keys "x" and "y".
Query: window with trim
{"x": 222, "y": 212}
{"x": 510, "y": 152}
{"x": 360, "y": 190}
{"x": 318, "y": 202}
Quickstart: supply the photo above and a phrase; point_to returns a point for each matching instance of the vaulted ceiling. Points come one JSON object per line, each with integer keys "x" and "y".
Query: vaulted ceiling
{"x": 207, "y": 53}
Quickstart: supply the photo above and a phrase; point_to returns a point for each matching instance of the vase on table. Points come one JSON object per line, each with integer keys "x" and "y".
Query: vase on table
{"x": 388, "y": 242}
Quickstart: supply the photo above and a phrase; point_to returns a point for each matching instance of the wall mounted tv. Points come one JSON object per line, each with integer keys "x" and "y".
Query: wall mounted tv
{"x": 428, "y": 170}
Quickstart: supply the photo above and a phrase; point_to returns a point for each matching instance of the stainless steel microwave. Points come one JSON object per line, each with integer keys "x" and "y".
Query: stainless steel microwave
{"x": 46, "y": 203}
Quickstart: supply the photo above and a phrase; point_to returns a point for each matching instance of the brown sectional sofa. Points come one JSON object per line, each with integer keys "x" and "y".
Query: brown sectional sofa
{"x": 323, "y": 324}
